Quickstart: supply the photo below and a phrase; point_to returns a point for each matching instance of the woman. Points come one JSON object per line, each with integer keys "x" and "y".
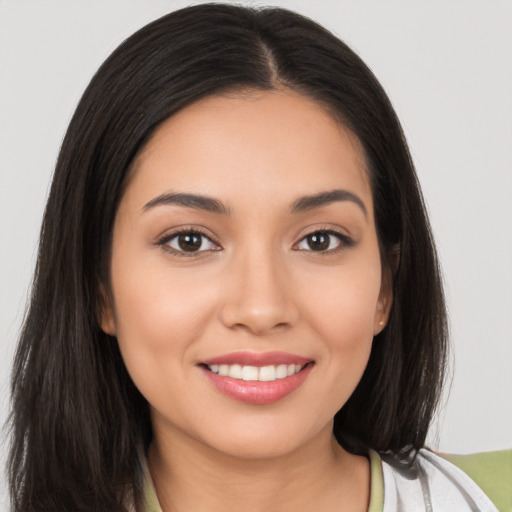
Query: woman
{"x": 244, "y": 289}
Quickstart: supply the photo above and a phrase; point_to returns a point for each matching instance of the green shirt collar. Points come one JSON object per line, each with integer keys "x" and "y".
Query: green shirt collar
{"x": 376, "y": 489}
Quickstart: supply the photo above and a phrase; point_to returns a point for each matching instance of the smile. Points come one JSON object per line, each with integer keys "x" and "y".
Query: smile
{"x": 254, "y": 373}
{"x": 257, "y": 378}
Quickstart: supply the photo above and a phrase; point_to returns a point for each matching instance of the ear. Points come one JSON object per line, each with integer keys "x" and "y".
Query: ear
{"x": 383, "y": 307}
{"x": 106, "y": 317}
{"x": 385, "y": 300}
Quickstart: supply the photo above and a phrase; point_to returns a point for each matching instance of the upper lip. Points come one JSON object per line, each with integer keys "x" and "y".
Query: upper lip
{"x": 257, "y": 359}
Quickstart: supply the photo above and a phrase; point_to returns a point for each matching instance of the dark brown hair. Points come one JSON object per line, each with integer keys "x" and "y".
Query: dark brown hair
{"x": 77, "y": 420}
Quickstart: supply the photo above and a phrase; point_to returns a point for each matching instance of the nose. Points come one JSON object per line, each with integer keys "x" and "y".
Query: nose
{"x": 259, "y": 295}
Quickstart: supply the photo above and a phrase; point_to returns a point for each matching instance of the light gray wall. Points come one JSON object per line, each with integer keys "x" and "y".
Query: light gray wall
{"x": 446, "y": 66}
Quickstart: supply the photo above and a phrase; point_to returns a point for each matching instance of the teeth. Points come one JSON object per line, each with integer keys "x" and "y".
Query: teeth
{"x": 235, "y": 371}
{"x": 267, "y": 373}
{"x": 282, "y": 371}
{"x": 250, "y": 373}
{"x": 255, "y": 373}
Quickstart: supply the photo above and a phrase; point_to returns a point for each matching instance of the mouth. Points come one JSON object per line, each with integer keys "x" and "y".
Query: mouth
{"x": 268, "y": 373}
{"x": 257, "y": 378}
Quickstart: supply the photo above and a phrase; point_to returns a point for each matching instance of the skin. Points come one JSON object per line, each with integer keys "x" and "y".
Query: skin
{"x": 257, "y": 286}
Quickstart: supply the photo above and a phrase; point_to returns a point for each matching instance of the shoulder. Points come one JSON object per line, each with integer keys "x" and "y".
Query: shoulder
{"x": 492, "y": 471}
{"x": 433, "y": 483}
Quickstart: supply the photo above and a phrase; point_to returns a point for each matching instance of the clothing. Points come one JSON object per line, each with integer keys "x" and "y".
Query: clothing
{"x": 432, "y": 484}
{"x": 492, "y": 471}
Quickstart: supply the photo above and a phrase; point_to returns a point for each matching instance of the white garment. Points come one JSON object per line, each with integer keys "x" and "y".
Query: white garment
{"x": 431, "y": 485}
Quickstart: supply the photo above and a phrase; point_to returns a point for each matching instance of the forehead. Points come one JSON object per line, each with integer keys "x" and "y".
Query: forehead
{"x": 272, "y": 145}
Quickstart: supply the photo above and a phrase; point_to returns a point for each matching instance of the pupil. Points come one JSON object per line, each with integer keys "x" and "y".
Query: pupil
{"x": 318, "y": 241}
{"x": 189, "y": 242}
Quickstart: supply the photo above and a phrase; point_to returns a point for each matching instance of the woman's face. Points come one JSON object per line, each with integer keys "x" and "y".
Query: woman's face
{"x": 245, "y": 273}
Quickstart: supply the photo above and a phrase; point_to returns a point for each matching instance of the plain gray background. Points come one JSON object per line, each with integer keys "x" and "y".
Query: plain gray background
{"x": 446, "y": 66}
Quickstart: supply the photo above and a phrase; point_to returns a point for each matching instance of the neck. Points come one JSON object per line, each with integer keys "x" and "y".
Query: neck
{"x": 320, "y": 475}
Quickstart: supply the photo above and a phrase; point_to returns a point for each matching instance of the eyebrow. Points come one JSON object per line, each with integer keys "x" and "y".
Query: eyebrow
{"x": 212, "y": 205}
{"x": 324, "y": 198}
{"x": 190, "y": 201}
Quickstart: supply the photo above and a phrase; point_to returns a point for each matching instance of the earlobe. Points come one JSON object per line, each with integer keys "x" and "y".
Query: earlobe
{"x": 106, "y": 314}
{"x": 385, "y": 300}
{"x": 107, "y": 323}
{"x": 382, "y": 312}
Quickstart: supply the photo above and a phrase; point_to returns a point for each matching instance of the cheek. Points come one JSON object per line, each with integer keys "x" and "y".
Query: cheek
{"x": 343, "y": 304}
{"x": 154, "y": 297}
{"x": 348, "y": 326}
{"x": 158, "y": 316}
{"x": 341, "y": 309}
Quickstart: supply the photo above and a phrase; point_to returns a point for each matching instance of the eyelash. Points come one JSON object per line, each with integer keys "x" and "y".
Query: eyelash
{"x": 164, "y": 242}
{"x": 343, "y": 242}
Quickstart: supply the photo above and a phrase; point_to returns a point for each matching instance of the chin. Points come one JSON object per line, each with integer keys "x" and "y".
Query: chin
{"x": 256, "y": 449}
{"x": 266, "y": 440}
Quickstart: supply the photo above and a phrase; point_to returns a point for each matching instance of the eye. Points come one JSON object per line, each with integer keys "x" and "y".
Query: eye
{"x": 323, "y": 241}
{"x": 188, "y": 242}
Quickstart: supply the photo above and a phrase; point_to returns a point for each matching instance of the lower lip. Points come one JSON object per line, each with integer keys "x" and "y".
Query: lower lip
{"x": 257, "y": 392}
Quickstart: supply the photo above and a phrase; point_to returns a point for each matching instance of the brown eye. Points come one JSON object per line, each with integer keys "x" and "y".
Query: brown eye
{"x": 189, "y": 242}
{"x": 324, "y": 241}
{"x": 318, "y": 241}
